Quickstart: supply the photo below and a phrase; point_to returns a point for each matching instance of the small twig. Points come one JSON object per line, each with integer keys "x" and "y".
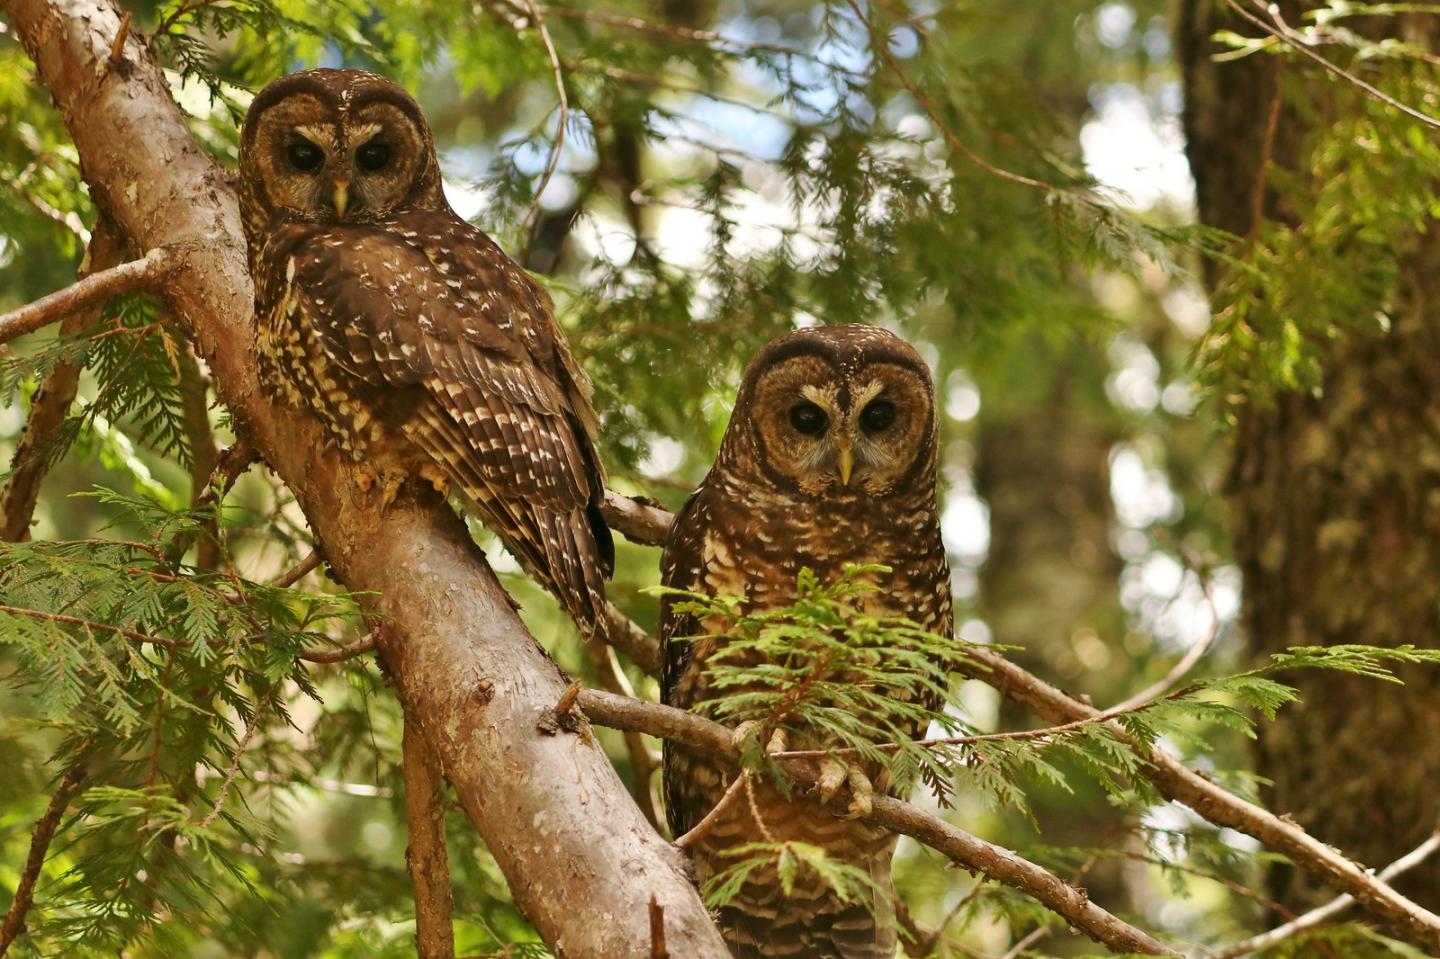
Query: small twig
{"x": 358, "y": 648}
{"x": 146, "y": 273}
{"x": 297, "y": 572}
{"x": 1285, "y": 36}
{"x": 881, "y": 46}
{"x": 532, "y": 216}
{"x": 567, "y": 699}
{"x": 164, "y": 28}
{"x": 698, "y": 831}
{"x": 1034, "y": 936}
{"x": 1339, "y": 904}
{"x": 642, "y": 763}
{"x": 40, "y": 839}
{"x": 675, "y": 32}
{"x": 426, "y": 855}
{"x": 91, "y": 624}
{"x": 658, "y": 949}
{"x": 117, "y": 47}
{"x": 1181, "y": 668}
{"x": 234, "y": 768}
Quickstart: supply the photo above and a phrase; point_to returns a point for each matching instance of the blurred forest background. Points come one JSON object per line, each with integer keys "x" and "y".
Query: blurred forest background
{"x": 1127, "y": 472}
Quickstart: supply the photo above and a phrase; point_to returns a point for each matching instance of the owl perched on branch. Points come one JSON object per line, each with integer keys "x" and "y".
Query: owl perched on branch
{"x": 829, "y": 461}
{"x": 421, "y": 347}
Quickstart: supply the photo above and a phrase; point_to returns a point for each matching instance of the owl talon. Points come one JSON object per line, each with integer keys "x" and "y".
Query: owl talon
{"x": 834, "y": 775}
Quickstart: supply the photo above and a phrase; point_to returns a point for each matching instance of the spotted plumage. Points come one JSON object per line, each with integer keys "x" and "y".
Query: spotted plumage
{"x": 829, "y": 460}
{"x": 424, "y": 350}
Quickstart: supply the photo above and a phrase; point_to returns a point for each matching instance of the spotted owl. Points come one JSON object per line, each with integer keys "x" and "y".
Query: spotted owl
{"x": 829, "y": 459}
{"x": 423, "y": 349}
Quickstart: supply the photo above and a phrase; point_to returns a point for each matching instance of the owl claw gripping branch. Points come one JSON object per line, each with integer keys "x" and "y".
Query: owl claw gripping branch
{"x": 428, "y": 355}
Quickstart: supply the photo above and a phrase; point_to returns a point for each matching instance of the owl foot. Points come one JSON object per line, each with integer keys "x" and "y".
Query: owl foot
{"x": 835, "y": 774}
{"x": 367, "y": 477}
{"x": 437, "y": 478}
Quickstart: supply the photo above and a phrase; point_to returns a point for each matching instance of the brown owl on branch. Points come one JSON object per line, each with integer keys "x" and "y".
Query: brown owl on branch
{"x": 829, "y": 460}
{"x": 421, "y": 347}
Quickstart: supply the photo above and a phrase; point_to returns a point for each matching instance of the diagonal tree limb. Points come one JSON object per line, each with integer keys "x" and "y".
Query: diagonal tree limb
{"x": 14, "y": 923}
{"x": 648, "y": 524}
{"x": 150, "y": 272}
{"x": 582, "y": 863}
{"x": 426, "y": 854}
{"x": 51, "y": 403}
{"x": 972, "y": 852}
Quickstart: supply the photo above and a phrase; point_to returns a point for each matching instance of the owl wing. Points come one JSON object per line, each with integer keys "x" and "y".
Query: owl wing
{"x": 680, "y": 568}
{"x": 482, "y": 405}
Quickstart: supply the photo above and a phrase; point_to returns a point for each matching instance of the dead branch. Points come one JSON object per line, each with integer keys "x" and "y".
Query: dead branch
{"x": 147, "y": 273}
{"x": 460, "y": 658}
{"x": 1165, "y": 772}
{"x": 1335, "y": 906}
{"x": 426, "y": 855}
{"x": 963, "y": 848}
{"x": 52, "y": 401}
{"x": 14, "y": 923}
{"x": 637, "y": 519}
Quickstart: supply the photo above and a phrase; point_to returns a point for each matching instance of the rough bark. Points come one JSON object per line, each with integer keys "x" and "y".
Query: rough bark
{"x": 426, "y": 854}
{"x": 1335, "y": 497}
{"x": 581, "y": 861}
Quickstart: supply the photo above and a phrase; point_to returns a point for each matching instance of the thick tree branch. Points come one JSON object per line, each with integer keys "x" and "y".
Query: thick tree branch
{"x": 14, "y": 923}
{"x": 147, "y": 273}
{"x": 1169, "y": 775}
{"x": 581, "y": 861}
{"x": 963, "y": 848}
{"x": 426, "y": 854}
{"x": 52, "y": 401}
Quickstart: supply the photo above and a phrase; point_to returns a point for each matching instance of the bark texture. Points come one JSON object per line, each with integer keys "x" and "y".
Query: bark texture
{"x": 581, "y": 861}
{"x": 1335, "y": 497}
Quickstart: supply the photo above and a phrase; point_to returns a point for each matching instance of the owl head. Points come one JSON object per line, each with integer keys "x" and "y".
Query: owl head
{"x": 331, "y": 145}
{"x": 835, "y": 411}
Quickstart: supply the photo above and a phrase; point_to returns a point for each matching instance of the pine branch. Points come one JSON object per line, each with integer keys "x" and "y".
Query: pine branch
{"x": 52, "y": 401}
{"x": 426, "y": 855}
{"x": 1211, "y": 801}
{"x": 965, "y": 849}
{"x": 40, "y": 839}
{"x": 148, "y": 273}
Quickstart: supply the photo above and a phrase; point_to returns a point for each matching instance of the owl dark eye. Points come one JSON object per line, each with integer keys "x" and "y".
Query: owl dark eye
{"x": 877, "y": 416}
{"x": 304, "y": 156}
{"x": 808, "y": 418}
{"x": 373, "y": 156}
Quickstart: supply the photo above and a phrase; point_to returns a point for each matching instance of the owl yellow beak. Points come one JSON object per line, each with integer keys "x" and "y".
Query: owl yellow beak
{"x": 847, "y": 465}
{"x": 341, "y": 197}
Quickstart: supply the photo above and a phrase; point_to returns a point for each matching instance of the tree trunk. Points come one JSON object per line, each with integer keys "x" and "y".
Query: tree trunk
{"x": 582, "y": 863}
{"x": 1334, "y": 495}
